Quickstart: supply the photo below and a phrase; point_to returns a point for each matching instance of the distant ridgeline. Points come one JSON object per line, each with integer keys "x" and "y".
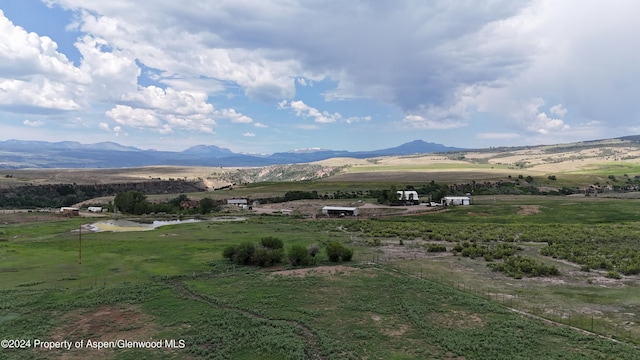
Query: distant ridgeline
{"x": 58, "y": 195}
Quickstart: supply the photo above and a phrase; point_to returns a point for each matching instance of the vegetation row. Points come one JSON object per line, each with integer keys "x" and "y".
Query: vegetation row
{"x": 270, "y": 251}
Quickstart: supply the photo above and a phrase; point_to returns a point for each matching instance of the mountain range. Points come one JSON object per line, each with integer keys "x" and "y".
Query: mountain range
{"x": 17, "y": 154}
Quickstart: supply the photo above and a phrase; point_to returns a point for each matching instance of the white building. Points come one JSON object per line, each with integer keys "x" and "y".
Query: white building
{"x": 456, "y": 200}
{"x": 95, "y": 209}
{"x": 408, "y": 195}
{"x": 340, "y": 211}
{"x": 237, "y": 202}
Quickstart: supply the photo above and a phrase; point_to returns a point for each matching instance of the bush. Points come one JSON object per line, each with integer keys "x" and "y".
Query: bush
{"x": 229, "y": 252}
{"x": 613, "y": 275}
{"x": 271, "y": 242}
{"x": 336, "y": 252}
{"x": 264, "y": 256}
{"x": 243, "y": 254}
{"x": 249, "y": 254}
{"x": 298, "y": 255}
{"x": 347, "y": 254}
{"x": 519, "y": 266}
{"x": 438, "y": 248}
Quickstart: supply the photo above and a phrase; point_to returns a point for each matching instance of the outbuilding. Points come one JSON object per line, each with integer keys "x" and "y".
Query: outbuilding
{"x": 408, "y": 195}
{"x": 340, "y": 211}
{"x": 70, "y": 211}
{"x": 237, "y": 202}
{"x": 456, "y": 200}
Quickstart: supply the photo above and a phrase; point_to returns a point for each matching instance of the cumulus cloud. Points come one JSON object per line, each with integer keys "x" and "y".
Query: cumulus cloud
{"x": 139, "y": 118}
{"x": 235, "y": 116}
{"x": 532, "y": 120}
{"x": 249, "y": 134}
{"x": 303, "y": 110}
{"x": 33, "y": 123}
{"x": 438, "y": 62}
{"x": 34, "y": 76}
{"x": 25, "y": 54}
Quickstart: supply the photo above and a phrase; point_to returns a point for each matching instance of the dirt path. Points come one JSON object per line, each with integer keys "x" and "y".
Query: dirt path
{"x": 309, "y": 337}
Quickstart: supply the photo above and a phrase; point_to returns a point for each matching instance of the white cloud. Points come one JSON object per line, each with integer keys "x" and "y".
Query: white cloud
{"x": 260, "y": 125}
{"x": 303, "y": 110}
{"x": 235, "y": 116}
{"x": 25, "y": 54}
{"x": 421, "y": 122}
{"x": 104, "y": 126}
{"x": 558, "y": 110}
{"x": 533, "y": 121}
{"x": 138, "y": 118}
{"x": 169, "y": 100}
{"x": 356, "y": 119}
{"x": 438, "y": 62}
{"x": 34, "y": 123}
{"x": 249, "y": 134}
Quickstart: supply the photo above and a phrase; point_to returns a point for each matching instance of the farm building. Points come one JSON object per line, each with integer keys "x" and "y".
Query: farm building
{"x": 409, "y": 196}
{"x": 456, "y": 200}
{"x": 340, "y": 211}
{"x": 95, "y": 208}
{"x": 70, "y": 211}
{"x": 237, "y": 202}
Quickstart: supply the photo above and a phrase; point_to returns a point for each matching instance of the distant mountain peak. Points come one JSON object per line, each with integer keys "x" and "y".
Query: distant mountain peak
{"x": 307, "y": 150}
{"x": 71, "y": 154}
{"x": 207, "y": 149}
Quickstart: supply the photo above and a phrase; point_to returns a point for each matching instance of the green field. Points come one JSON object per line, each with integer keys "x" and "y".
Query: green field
{"x": 394, "y": 300}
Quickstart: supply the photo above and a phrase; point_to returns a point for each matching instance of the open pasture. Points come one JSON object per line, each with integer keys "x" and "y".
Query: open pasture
{"x": 394, "y": 300}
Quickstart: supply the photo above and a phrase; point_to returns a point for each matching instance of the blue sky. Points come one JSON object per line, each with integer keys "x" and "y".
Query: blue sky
{"x": 260, "y": 76}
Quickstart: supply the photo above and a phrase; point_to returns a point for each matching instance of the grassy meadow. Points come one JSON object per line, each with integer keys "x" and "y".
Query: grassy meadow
{"x": 395, "y": 300}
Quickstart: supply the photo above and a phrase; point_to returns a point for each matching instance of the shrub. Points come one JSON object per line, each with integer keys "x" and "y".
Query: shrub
{"x": 337, "y": 252}
{"x": 271, "y": 242}
{"x": 438, "y": 248}
{"x": 298, "y": 255}
{"x": 243, "y": 254}
{"x": 264, "y": 256}
{"x": 613, "y": 275}
{"x": 347, "y": 254}
{"x": 334, "y": 250}
{"x": 229, "y": 252}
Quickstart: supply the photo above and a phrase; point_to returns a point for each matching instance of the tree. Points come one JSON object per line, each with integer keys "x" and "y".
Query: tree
{"x": 207, "y": 205}
{"x": 131, "y": 202}
{"x": 313, "y": 251}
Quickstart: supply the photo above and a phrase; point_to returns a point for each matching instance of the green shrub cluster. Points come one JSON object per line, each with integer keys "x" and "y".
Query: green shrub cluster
{"x": 298, "y": 255}
{"x": 336, "y": 252}
{"x": 436, "y": 248}
{"x": 519, "y": 266}
{"x": 269, "y": 252}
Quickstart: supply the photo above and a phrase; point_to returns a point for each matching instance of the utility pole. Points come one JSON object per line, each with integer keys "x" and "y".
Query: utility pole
{"x": 80, "y": 244}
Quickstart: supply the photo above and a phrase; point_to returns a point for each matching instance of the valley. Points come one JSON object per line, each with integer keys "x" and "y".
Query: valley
{"x": 424, "y": 281}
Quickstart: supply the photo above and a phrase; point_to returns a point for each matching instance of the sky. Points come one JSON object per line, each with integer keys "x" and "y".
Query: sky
{"x": 264, "y": 76}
